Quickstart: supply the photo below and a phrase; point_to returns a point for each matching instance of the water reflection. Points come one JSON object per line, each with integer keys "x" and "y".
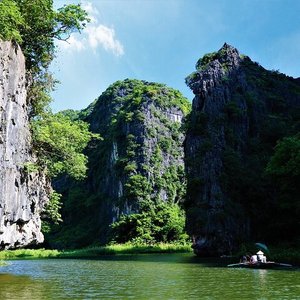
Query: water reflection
{"x": 142, "y": 277}
{"x": 262, "y": 282}
{"x": 262, "y": 274}
{"x": 22, "y": 287}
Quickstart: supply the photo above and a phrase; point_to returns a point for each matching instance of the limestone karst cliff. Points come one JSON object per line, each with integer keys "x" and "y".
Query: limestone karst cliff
{"x": 22, "y": 193}
{"x": 138, "y": 163}
{"x": 240, "y": 111}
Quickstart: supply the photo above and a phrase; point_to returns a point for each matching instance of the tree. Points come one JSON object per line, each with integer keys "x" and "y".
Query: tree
{"x": 35, "y": 25}
{"x": 164, "y": 222}
{"x": 285, "y": 163}
{"x": 10, "y": 21}
{"x": 59, "y": 142}
{"x": 42, "y": 25}
{"x": 284, "y": 170}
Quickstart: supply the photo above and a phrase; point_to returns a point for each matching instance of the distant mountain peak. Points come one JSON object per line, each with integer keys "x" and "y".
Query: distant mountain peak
{"x": 228, "y": 50}
{"x": 226, "y": 59}
{"x": 226, "y": 53}
{"x": 227, "y": 47}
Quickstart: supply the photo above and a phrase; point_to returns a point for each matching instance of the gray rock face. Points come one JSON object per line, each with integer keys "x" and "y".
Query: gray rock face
{"x": 232, "y": 132}
{"x": 22, "y": 195}
{"x": 204, "y": 151}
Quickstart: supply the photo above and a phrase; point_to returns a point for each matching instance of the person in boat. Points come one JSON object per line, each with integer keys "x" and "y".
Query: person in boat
{"x": 253, "y": 259}
{"x": 243, "y": 259}
{"x": 261, "y": 257}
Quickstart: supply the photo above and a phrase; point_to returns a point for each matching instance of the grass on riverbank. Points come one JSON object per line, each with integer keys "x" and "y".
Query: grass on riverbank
{"x": 279, "y": 254}
{"x": 95, "y": 251}
{"x": 28, "y": 253}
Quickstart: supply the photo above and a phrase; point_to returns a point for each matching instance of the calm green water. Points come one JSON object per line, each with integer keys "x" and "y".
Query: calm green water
{"x": 166, "y": 276}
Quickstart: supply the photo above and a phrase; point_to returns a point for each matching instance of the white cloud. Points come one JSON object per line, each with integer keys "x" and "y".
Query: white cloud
{"x": 94, "y": 36}
{"x": 91, "y": 10}
{"x": 103, "y": 36}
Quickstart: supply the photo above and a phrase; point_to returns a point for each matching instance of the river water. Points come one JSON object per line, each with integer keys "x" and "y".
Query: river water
{"x": 159, "y": 276}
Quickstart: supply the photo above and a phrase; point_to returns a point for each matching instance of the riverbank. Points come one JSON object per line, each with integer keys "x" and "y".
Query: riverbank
{"x": 279, "y": 254}
{"x": 115, "y": 249}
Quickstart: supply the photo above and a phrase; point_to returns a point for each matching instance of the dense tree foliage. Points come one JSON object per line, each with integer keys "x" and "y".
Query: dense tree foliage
{"x": 285, "y": 163}
{"x": 163, "y": 223}
{"x": 10, "y": 21}
{"x": 60, "y": 142}
{"x": 52, "y": 213}
{"x": 35, "y": 24}
{"x": 284, "y": 171}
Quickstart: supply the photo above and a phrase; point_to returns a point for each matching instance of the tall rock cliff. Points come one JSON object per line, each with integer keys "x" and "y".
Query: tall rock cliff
{"x": 22, "y": 193}
{"x": 138, "y": 163}
{"x": 240, "y": 111}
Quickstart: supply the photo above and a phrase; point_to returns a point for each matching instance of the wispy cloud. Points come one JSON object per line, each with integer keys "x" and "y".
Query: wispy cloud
{"x": 103, "y": 36}
{"x": 94, "y": 36}
{"x": 91, "y": 10}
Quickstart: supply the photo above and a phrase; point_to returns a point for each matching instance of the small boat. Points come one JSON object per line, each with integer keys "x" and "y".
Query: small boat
{"x": 260, "y": 265}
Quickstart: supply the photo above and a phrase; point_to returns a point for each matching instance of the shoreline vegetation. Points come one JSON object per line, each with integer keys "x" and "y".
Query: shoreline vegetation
{"x": 290, "y": 255}
{"x": 92, "y": 252}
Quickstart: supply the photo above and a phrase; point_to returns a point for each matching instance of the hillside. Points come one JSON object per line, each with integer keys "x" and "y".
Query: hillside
{"x": 138, "y": 168}
{"x": 240, "y": 111}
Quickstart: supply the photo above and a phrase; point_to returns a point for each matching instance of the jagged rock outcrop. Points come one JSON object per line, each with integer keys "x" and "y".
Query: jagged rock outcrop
{"x": 138, "y": 163}
{"x": 141, "y": 125}
{"x": 240, "y": 111}
{"x": 22, "y": 193}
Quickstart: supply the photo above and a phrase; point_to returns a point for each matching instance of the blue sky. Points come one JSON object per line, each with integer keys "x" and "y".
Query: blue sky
{"x": 161, "y": 40}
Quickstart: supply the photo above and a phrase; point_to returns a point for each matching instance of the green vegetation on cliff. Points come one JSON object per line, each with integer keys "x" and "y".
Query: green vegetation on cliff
{"x": 241, "y": 186}
{"x": 136, "y": 174}
{"x": 272, "y": 106}
{"x": 243, "y": 147}
{"x": 284, "y": 170}
{"x": 60, "y": 142}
